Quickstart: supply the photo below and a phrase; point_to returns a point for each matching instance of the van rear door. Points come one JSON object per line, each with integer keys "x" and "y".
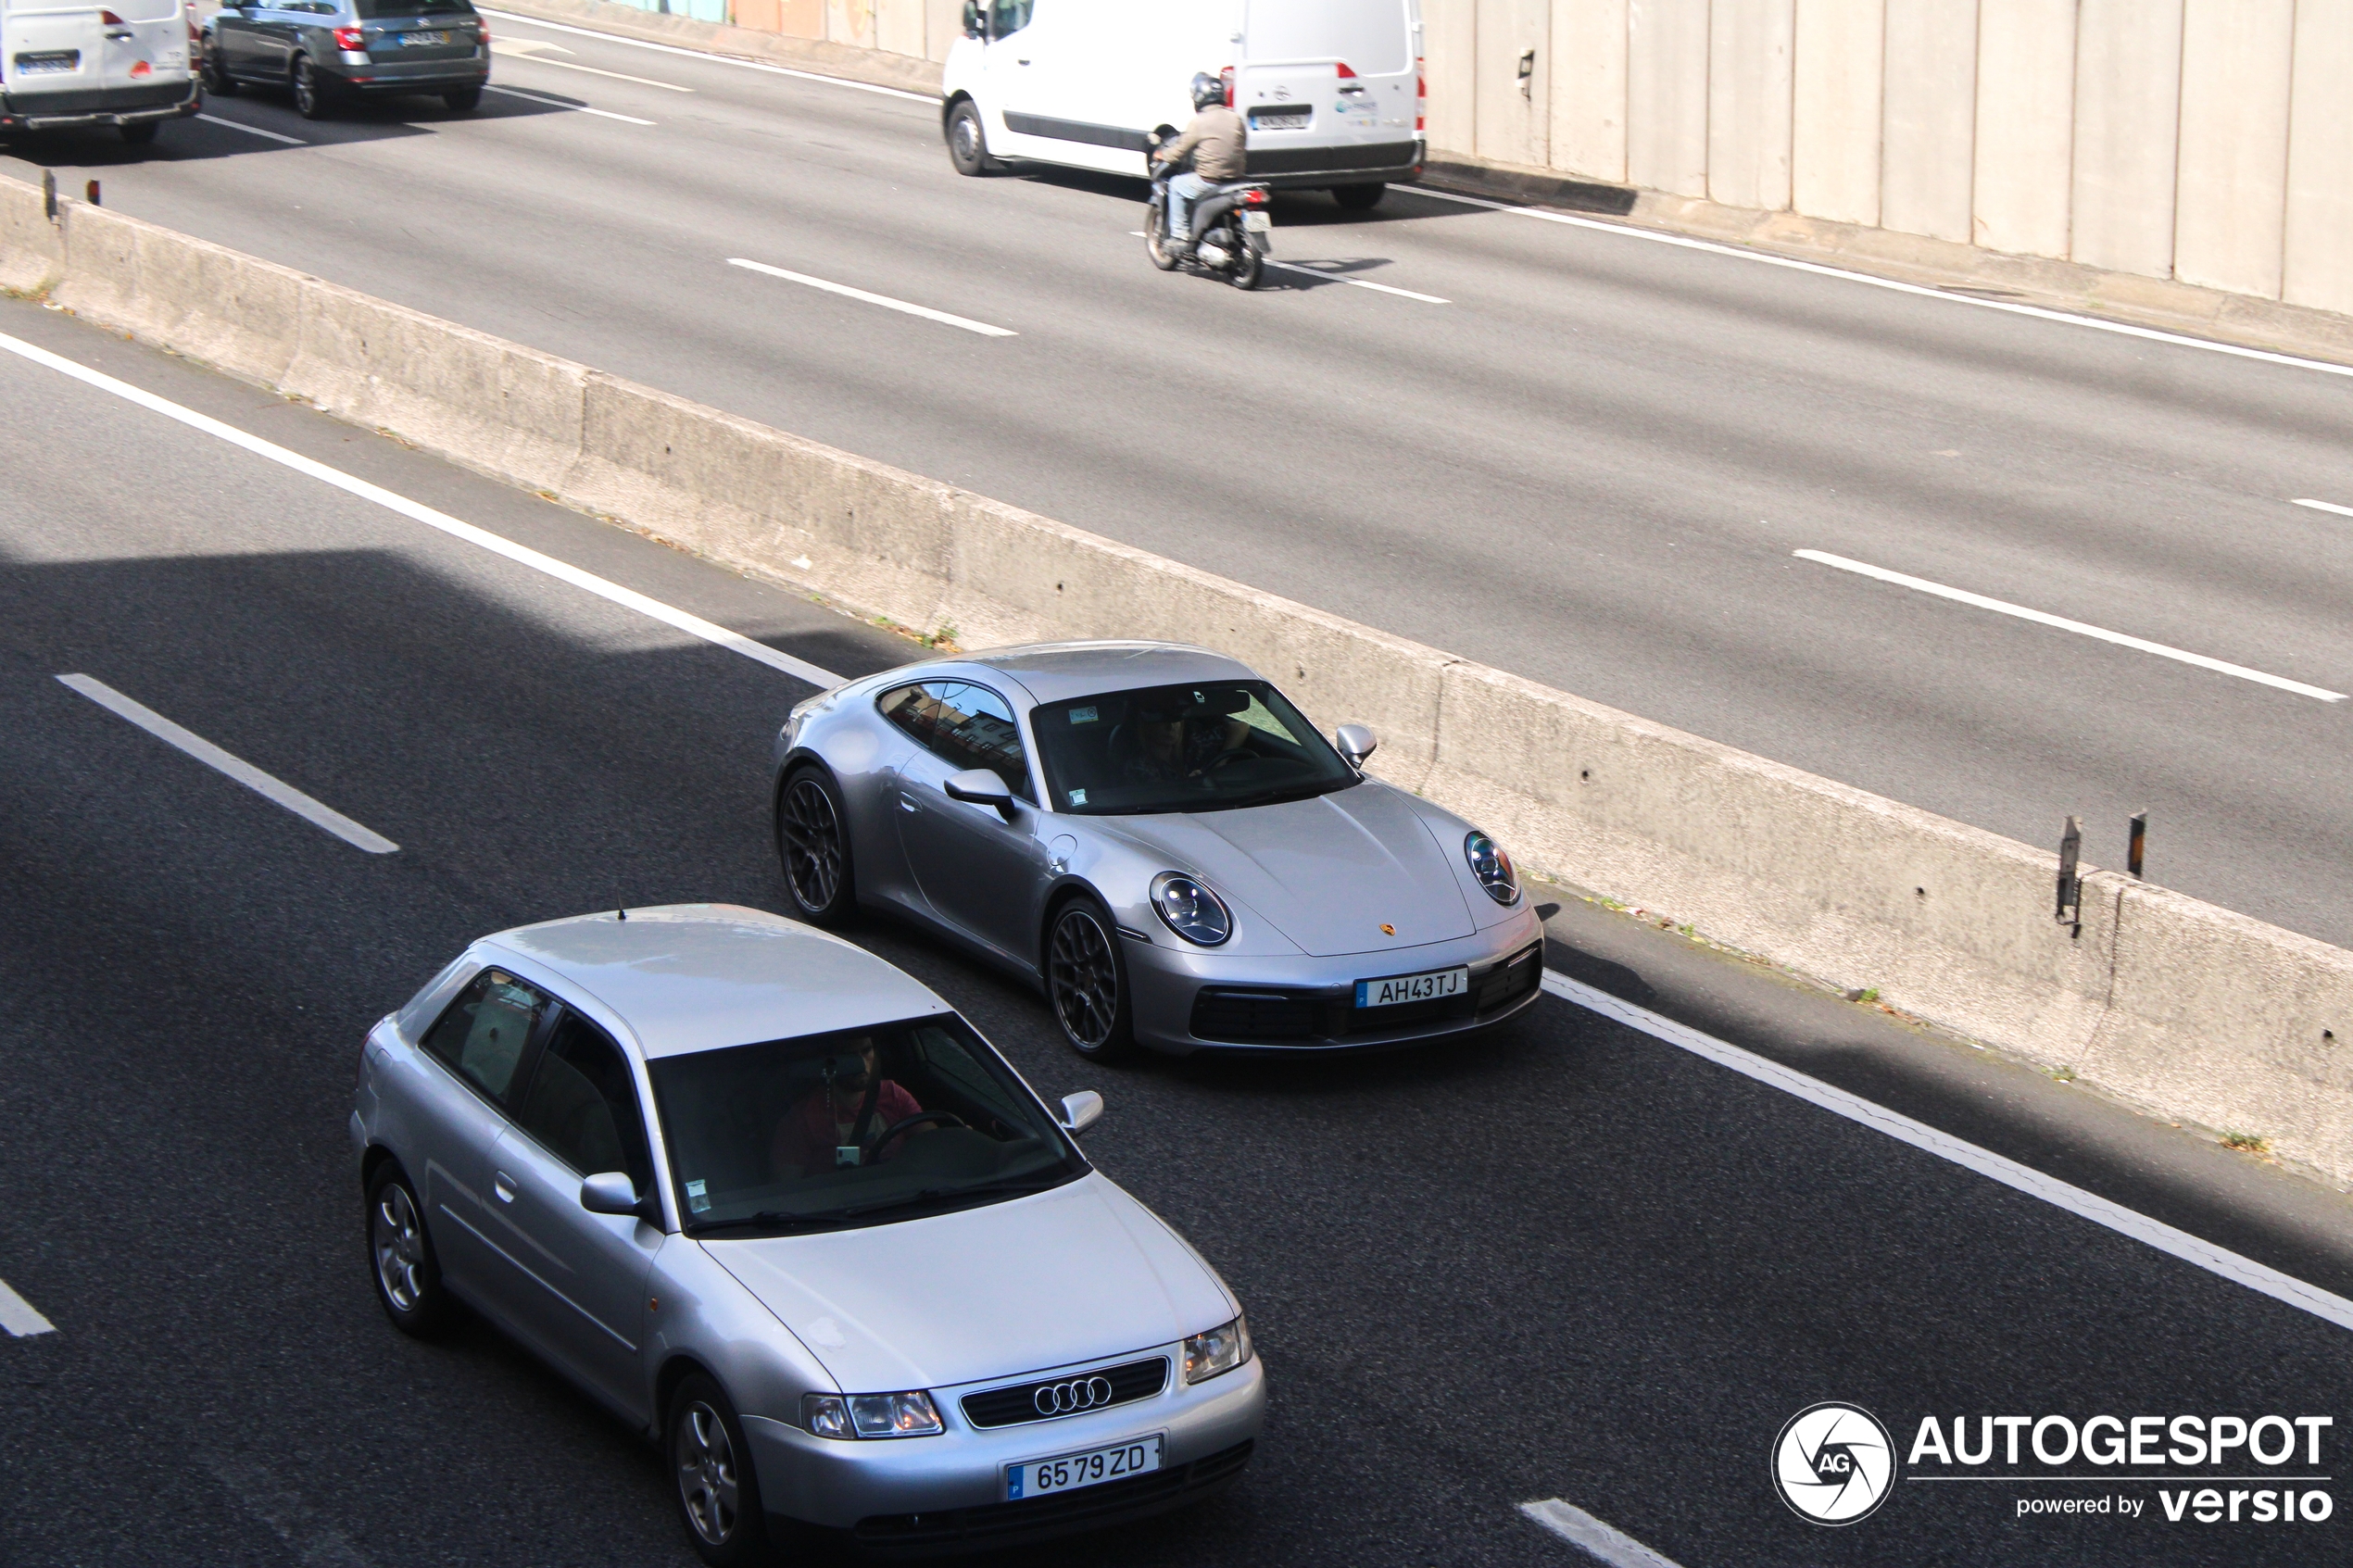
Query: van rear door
{"x": 1337, "y": 75}
{"x": 146, "y": 43}
{"x": 48, "y": 50}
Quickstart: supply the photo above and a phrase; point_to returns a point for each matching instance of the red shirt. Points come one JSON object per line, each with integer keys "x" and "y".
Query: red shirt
{"x": 808, "y": 1136}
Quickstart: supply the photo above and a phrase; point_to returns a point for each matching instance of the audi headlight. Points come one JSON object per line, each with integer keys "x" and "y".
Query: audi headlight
{"x": 1189, "y": 910}
{"x": 871, "y": 1415}
{"x": 1221, "y": 1350}
{"x": 1491, "y": 866}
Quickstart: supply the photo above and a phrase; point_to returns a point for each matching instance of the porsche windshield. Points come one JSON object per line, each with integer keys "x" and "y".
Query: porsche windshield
{"x": 1182, "y": 748}
{"x": 859, "y": 1127}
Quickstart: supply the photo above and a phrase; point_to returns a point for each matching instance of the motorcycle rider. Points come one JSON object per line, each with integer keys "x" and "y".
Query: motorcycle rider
{"x": 1214, "y": 141}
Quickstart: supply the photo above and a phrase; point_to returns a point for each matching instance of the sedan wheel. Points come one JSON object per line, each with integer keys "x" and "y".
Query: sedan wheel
{"x": 310, "y": 94}
{"x": 1086, "y": 981}
{"x": 815, "y": 846}
{"x": 718, "y": 1498}
{"x": 408, "y": 1283}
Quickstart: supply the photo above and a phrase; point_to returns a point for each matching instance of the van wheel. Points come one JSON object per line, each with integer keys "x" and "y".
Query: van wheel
{"x": 967, "y": 142}
{"x": 139, "y": 135}
{"x": 312, "y": 96}
{"x": 1358, "y": 198}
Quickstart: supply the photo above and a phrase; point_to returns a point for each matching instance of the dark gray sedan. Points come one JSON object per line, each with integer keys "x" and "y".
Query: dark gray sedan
{"x": 328, "y": 51}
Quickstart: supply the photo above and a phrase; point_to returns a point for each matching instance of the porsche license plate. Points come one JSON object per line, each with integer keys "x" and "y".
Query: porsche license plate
{"x": 422, "y": 40}
{"x": 1434, "y": 985}
{"x": 1035, "y": 1477}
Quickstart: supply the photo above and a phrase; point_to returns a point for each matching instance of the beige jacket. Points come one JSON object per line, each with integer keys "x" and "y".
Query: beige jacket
{"x": 1215, "y": 139}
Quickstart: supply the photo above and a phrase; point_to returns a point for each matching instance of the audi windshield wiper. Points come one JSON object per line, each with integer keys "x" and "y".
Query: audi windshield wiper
{"x": 935, "y": 1195}
{"x": 765, "y": 1217}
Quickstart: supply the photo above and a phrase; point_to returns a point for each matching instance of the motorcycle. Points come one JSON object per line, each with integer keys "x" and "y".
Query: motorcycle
{"x": 1232, "y": 231}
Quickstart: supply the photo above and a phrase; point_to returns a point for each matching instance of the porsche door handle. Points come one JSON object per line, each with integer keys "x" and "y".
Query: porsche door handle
{"x": 906, "y": 802}
{"x": 504, "y": 1186}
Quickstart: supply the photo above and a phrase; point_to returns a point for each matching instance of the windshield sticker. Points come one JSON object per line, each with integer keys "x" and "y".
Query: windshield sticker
{"x": 695, "y": 1198}
{"x": 1082, "y": 715}
{"x": 1079, "y": 797}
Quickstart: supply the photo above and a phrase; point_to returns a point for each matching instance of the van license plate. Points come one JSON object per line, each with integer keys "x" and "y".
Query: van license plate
{"x": 422, "y": 40}
{"x": 57, "y": 60}
{"x": 1436, "y": 986}
{"x": 1039, "y": 1477}
{"x": 1257, "y": 223}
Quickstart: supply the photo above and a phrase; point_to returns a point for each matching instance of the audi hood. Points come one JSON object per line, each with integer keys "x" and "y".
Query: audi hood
{"x": 1076, "y": 1274}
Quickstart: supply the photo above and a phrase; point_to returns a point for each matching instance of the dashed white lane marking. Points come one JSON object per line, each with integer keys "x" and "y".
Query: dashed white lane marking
{"x": 1358, "y": 283}
{"x": 926, "y": 311}
{"x": 563, "y": 571}
{"x": 618, "y": 76}
{"x": 253, "y": 131}
{"x": 2327, "y": 506}
{"x": 264, "y": 784}
{"x": 2259, "y": 1277}
{"x": 1600, "y": 1541}
{"x": 2043, "y": 617}
{"x": 564, "y": 104}
{"x": 717, "y": 59}
{"x": 19, "y": 1317}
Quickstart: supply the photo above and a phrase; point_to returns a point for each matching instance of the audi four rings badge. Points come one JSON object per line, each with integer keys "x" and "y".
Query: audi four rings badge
{"x": 1080, "y": 1394}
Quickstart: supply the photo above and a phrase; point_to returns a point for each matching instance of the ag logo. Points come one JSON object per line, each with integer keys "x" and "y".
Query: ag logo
{"x": 1833, "y": 1464}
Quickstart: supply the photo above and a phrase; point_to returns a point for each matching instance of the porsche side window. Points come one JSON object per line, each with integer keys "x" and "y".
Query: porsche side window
{"x": 963, "y": 725}
{"x": 482, "y": 1035}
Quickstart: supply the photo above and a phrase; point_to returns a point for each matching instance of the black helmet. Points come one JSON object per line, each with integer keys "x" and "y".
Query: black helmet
{"x": 1207, "y": 90}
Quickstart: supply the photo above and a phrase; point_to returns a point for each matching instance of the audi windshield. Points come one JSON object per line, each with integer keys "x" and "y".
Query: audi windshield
{"x": 863, "y": 1127}
{"x": 1210, "y": 747}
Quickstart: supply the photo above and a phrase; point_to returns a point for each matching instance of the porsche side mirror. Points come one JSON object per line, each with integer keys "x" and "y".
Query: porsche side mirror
{"x": 1081, "y": 1110}
{"x": 1355, "y": 743}
{"x": 609, "y": 1192}
{"x": 980, "y": 786}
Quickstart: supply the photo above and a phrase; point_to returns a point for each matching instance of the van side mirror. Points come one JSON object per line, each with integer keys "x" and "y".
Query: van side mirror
{"x": 610, "y": 1192}
{"x": 980, "y": 786}
{"x": 1081, "y": 1110}
{"x": 1355, "y": 743}
{"x": 975, "y": 22}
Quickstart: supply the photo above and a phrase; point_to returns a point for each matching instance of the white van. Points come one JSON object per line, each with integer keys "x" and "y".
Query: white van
{"x": 1331, "y": 90}
{"x": 124, "y": 63}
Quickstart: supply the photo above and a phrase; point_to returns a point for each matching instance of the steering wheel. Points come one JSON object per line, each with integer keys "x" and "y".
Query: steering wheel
{"x": 873, "y": 1145}
{"x": 1231, "y": 754}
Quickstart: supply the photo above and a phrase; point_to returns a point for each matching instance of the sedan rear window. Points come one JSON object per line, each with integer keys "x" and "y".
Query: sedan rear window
{"x": 393, "y": 10}
{"x": 856, "y": 1127}
{"x": 1182, "y": 748}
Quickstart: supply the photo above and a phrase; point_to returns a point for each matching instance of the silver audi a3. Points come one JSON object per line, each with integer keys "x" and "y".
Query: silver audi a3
{"x": 778, "y": 1206}
{"x": 1154, "y": 837}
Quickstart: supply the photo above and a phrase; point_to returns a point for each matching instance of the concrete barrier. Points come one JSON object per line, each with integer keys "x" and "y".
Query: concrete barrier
{"x": 2191, "y": 1012}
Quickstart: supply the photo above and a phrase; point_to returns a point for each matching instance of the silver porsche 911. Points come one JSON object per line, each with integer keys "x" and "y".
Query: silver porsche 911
{"x": 1153, "y": 835}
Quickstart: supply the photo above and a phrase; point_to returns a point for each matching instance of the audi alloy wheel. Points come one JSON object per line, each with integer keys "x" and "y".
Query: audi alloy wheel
{"x": 718, "y": 1498}
{"x": 406, "y": 1275}
{"x": 813, "y": 845}
{"x": 1086, "y": 981}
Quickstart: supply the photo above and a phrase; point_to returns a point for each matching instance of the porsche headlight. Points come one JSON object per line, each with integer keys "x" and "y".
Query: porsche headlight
{"x": 910, "y": 1415}
{"x": 1491, "y": 866}
{"x": 1221, "y": 1350}
{"x": 1189, "y": 910}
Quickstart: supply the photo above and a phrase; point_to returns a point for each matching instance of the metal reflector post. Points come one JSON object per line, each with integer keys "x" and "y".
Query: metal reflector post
{"x": 49, "y": 193}
{"x": 2070, "y": 911}
{"x": 2139, "y": 843}
{"x": 90, "y": 194}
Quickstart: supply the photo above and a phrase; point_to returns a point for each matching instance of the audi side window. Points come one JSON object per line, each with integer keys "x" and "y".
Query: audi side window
{"x": 482, "y": 1035}
{"x": 581, "y": 1104}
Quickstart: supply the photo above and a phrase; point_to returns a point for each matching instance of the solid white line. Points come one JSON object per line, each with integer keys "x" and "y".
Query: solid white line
{"x": 716, "y": 60}
{"x": 1358, "y": 283}
{"x": 1962, "y": 595}
{"x": 564, "y": 104}
{"x": 617, "y": 76}
{"x": 563, "y": 571}
{"x": 252, "y": 130}
{"x": 2041, "y": 313}
{"x": 926, "y": 311}
{"x": 2085, "y": 1205}
{"x": 19, "y": 1317}
{"x": 264, "y": 784}
{"x": 2328, "y": 507}
{"x": 1600, "y": 1541}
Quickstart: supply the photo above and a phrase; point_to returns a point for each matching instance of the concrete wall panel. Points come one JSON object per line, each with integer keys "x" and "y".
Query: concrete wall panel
{"x": 2318, "y": 265}
{"x": 943, "y": 24}
{"x": 1450, "y": 54}
{"x": 850, "y": 22}
{"x": 2231, "y": 201}
{"x": 2025, "y": 125}
{"x": 1928, "y": 147}
{"x": 1751, "y": 51}
{"x": 1667, "y": 95}
{"x": 1836, "y": 110}
{"x": 1589, "y": 88}
{"x": 2127, "y": 97}
{"x": 1515, "y": 113}
{"x": 898, "y": 26}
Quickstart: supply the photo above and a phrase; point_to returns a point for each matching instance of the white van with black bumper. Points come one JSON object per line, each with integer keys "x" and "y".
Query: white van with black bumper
{"x": 1331, "y": 90}
{"x": 127, "y": 63}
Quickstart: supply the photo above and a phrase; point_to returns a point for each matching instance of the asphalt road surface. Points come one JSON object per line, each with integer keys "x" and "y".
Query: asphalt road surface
{"x": 1592, "y": 464}
{"x": 1569, "y": 1262}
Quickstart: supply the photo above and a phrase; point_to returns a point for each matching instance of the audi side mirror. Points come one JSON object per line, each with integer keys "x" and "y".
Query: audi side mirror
{"x": 609, "y": 1192}
{"x": 1355, "y": 743}
{"x": 1081, "y": 1110}
{"x": 980, "y": 786}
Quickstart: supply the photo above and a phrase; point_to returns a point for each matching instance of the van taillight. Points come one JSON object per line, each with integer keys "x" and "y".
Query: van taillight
{"x": 350, "y": 38}
{"x": 1226, "y": 76}
{"x": 1421, "y": 99}
{"x": 107, "y": 18}
{"x": 1346, "y": 74}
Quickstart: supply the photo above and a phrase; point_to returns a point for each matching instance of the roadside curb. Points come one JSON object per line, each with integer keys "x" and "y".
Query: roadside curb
{"x": 875, "y": 68}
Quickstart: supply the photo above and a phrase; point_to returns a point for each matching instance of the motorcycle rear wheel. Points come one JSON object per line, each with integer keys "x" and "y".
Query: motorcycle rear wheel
{"x": 1156, "y": 244}
{"x": 1247, "y": 269}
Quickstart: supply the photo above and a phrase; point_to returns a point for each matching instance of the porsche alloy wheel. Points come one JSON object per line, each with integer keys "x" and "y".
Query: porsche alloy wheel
{"x": 814, "y": 848}
{"x": 1086, "y": 980}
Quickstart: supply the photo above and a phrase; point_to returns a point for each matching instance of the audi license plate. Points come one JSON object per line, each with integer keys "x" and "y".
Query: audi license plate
{"x": 1035, "y": 1477}
{"x": 1257, "y": 222}
{"x": 422, "y": 40}
{"x": 1436, "y": 986}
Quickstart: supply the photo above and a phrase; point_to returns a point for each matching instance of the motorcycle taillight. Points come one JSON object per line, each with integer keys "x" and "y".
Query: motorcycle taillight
{"x": 1226, "y": 76}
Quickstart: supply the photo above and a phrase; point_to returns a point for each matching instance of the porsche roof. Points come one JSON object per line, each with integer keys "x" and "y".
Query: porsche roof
{"x": 1056, "y": 671}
